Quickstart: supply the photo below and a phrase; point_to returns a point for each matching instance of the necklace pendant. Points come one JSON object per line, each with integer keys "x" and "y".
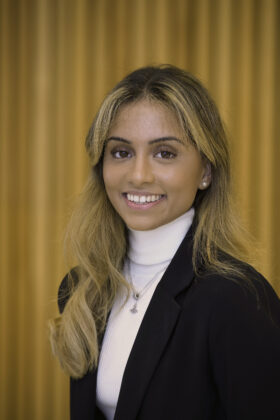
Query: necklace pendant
{"x": 136, "y": 295}
{"x": 134, "y": 308}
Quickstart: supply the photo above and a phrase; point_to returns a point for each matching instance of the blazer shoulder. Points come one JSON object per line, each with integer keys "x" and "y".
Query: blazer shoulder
{"x": 66, "y": 287}
{"x": 250, "y": 294}
{"x": 244, "y": 343}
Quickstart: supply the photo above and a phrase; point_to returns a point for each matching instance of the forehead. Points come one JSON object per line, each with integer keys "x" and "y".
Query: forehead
{"x": 147, "y": 117}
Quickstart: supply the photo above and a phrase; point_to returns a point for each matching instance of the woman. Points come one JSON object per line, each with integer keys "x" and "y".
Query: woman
{"x": 163, "y": 301}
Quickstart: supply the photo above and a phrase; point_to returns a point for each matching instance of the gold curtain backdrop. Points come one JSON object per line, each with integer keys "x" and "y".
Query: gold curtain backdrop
{"x": 58, "y": 58}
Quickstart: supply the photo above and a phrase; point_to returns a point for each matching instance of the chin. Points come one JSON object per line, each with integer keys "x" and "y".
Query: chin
{"x": 142, "y": 226}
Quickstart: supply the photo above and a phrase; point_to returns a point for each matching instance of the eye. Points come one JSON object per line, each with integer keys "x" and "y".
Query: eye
{"x": 120, "y": 154}
{"x": 165, "y": 154}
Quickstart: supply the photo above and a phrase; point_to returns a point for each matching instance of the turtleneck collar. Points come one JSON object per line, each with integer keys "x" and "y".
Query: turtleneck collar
{"x": 159, "y": 245}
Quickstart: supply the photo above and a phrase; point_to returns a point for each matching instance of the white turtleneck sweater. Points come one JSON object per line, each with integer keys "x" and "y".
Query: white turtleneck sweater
{"x": 150, "y": 252}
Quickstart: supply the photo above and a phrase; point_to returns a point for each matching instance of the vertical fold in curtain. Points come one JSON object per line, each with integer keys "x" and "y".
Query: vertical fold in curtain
{"x": 57, "y": 61}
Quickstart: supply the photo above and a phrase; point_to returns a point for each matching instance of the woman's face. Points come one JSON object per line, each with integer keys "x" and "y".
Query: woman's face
{"x": 151, "y": 177}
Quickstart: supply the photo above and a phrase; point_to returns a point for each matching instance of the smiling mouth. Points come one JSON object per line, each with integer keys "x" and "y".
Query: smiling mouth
{"x": 143, "y": 198}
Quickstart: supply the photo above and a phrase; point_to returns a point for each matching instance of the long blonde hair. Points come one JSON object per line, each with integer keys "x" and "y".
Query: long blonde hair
{"x": 96, "y": 234}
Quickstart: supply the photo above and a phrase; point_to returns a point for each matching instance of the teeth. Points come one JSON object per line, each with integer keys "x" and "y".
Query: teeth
{"x": 143, "y": 198}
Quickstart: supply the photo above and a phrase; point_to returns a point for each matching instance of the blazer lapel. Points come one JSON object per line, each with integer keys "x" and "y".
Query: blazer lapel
{"x": 157, "y": 326}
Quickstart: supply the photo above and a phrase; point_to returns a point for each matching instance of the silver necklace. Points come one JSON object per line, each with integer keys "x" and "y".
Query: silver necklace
{"x": 137, "y": 294}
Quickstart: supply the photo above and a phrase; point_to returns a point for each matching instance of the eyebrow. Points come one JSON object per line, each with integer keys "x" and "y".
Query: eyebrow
{"x": 159, "y": 140}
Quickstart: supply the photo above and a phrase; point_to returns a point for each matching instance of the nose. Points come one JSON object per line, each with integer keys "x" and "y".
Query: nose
{"x": 141, "y": 171}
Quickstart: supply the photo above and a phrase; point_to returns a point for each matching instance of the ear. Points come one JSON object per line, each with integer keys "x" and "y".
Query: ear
{"x": 206, "y": 177}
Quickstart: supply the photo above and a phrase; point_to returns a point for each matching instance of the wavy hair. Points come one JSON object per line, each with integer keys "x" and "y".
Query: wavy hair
{"x": 97, "y": 236}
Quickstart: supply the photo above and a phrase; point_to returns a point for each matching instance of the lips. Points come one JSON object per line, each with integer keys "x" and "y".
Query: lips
{"x": 142, "y": 200}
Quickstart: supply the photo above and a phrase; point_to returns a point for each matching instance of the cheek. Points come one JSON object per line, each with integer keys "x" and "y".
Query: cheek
{"x": 112, "y": 184}
{"x": 106, "y": 179}
{"x": 182, "y": 180}
{"x": 108, "y": 175}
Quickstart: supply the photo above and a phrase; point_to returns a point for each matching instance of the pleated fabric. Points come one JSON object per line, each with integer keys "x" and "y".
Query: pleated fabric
{"x": 58, "y": 58}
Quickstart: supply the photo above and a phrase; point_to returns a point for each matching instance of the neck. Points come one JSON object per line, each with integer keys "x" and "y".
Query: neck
{"x": 159, "y": 245}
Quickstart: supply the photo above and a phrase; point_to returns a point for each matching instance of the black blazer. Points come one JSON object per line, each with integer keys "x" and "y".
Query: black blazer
{"x": 208, "y": 348}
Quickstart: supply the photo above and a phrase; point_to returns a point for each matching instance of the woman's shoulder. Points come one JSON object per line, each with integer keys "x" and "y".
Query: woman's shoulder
{"x": 249, "y": 295}
{"x": 66, "y": 287}
{"x": 243, "y": 337}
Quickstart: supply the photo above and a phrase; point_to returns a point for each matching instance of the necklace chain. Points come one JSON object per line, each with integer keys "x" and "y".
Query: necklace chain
{"x": 138, "y": 294}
